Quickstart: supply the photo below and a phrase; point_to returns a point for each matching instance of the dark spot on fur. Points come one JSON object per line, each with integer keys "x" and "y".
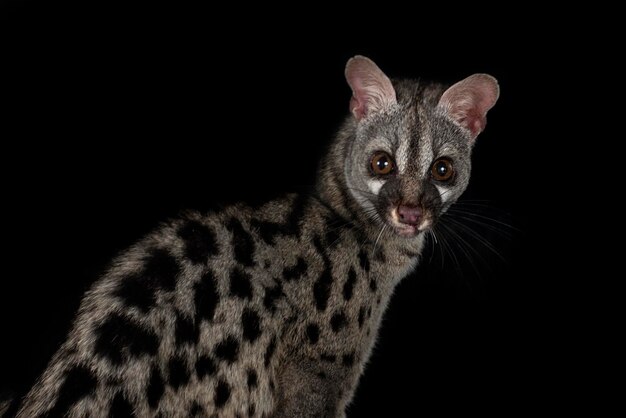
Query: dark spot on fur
{"x": 79, "y": 382}
{"x": 196, "y": 410}
{"x": 269, "y": 352}
{"x": 205, "y": 366}
{"x": 359, "y": 235}
{"x": 134, "y": 291}
{"x": 296, "y": 271}
{"x": 267, "y": 230}
{"x": 335, "y": 223}
{"x": 292, "y": 224}
{"x": 348, "y": 359}
{"x": 345, "y": 198}
{"x": 330, "y": 358}
{"x": 364, "y": 262}
{"x": 252, "y": 379}
{"x": 348, "y": 287}
{"x": 267, "y": 264}
{"x": 240, "y": 284}
{"x": 179, "y": 375}
{"x": 373, "y": 286}
{"x": 243, "y": 244}
{"x": 319, "y": 248}
{"x": 251, "y": 410}
{"x": 222, "y": 393}
{"x": 186, "y": 331}
{"x": 206, "y": 297}
{"x": 332, "y": 232}
{"x": 369, "y": 311}
{"x": 160, "y": 271}
{"x": 200, "y": 241}
{"x": 321, "y": 375}
{"x": 334, "y": 218}
{"x": 409, "y": 253}
{"x": 380, "y": 256}
{"x": 378, "y": 300}
{"x": 338, "y": 321}
{"x": 227, "y": 349}
{"x": 120, "y": 407}
{"x": 361, "y": 316}
{"x": 156, "y": 388}
{"x": 272, "y": 294}
{"x": 321, "y": 289}
{"x": 251, "y": 323}
{"x": 118, "y": 337}
{"x": 313, "y": 333}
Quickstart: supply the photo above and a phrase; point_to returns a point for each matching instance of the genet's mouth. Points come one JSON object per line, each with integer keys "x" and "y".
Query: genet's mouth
{"x": 408, "y": 221}
{"x": 406, "y": 230}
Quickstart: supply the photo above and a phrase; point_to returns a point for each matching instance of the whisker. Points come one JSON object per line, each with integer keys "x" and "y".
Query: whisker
{"x": 446, "y": 245}
{"x": 483, "y": 202}
{"x": 487, "y": 218}
{"x": 493, "y": 228}
{"x": 433, "y": 240}
{"x": 461, "y": 245}
{"x": 378, "y": 238}
{"x": 441, "y": 248}
{"x": 477, "y": 237}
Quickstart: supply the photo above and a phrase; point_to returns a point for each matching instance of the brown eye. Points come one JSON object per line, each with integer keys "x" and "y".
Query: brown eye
{"x": 442, "y": 169}
{"x": 382, "y": 163}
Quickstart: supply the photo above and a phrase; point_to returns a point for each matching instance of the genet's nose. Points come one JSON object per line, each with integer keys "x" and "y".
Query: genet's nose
{"x": 410, "y": 215}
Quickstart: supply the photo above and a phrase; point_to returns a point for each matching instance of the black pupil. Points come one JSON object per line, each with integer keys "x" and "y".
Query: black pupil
{"x": 442, "y": 169}
{"x": 382, "y": 163}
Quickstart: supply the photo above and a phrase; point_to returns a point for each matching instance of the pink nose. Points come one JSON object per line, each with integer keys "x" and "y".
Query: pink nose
{"x": 410, "y": 215}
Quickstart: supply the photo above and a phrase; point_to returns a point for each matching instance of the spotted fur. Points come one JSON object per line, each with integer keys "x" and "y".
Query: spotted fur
{"x": 255, "y": 312}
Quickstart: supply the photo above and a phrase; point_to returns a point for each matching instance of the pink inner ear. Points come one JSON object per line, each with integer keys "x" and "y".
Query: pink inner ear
{"x": 372, "y": 90}
{"x": 473, "y": 121}
{"x": 468, "y": 101}
{"x": 357, "y": 109}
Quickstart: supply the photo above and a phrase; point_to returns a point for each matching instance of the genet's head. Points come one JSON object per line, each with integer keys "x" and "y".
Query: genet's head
{"x": 410, "y": 158}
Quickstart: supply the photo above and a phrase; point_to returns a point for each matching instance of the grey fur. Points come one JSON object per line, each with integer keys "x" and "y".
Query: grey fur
{"x": 299, "y": 287}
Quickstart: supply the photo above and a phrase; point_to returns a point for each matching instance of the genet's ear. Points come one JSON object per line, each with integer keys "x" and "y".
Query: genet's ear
{"x": 468, "y": 101}
{"x": 371, "y": 88}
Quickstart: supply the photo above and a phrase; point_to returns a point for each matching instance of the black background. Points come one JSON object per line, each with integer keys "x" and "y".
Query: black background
{"x": 115, "y": 117}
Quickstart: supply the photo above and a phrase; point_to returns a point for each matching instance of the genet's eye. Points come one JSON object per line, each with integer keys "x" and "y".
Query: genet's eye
{"x": 382, "y": 163}
{"x": 442, "y": 169}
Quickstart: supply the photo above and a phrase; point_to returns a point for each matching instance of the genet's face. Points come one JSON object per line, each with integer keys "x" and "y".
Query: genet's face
{"x": 406, "y": 168}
